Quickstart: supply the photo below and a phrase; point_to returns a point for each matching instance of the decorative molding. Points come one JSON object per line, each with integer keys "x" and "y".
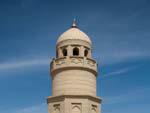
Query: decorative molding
{"x": 60, "y": 62}
{"x": 76, "y": 108}
{"x": 73, "y": 42}
{"x": 91, "y": 63}
{"x": 56, "y": 108}
{"x": 94, "y": 109}
{"x": 76, "y": 60}
{"x": 73, "y": 61}
{"x": 62, "y": 97}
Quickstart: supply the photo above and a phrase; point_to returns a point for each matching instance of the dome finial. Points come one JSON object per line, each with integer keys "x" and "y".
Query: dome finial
{"x": 74, "y": 25}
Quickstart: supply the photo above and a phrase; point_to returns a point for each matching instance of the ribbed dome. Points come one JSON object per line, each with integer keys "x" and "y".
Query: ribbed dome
{"x": 74, "y": 33}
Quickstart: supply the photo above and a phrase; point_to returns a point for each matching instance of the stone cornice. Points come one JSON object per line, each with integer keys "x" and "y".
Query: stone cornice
{"x": 73, "y": 42}
{"x": 62, "y": 97}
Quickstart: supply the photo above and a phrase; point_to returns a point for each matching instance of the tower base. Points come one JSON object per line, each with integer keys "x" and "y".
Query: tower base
{"x": 74, "y": 104}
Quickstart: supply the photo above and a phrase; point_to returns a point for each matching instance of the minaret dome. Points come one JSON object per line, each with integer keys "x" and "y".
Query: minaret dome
{"x": 74, "y": 33}
{"x": 73, "y": 38}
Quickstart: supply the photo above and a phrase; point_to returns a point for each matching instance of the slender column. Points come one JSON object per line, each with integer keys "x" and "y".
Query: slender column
{"x": 82, "y": 51}
{"x": 89, "y": 54}
{"x": 60, "y": 53}
{"x": 69, "y": 49}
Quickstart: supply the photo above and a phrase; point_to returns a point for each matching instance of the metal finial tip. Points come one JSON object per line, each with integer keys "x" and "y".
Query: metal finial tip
{"x": 74, "y": 25}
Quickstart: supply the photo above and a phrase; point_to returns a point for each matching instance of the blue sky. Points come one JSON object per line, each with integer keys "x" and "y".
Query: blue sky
{"x": 119, "y": 30}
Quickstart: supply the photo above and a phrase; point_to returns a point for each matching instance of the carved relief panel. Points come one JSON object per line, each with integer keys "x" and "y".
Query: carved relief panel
{"x": 76, "y": 108}
{"x": 56, "y": 108}
{"x": 93, "y": 109}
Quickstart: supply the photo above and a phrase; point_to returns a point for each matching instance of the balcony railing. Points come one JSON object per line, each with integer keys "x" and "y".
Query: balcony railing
{"x": 73, "y": 61}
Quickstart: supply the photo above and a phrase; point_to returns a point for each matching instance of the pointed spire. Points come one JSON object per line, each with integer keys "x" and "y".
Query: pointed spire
{"x": 74, "y": 25}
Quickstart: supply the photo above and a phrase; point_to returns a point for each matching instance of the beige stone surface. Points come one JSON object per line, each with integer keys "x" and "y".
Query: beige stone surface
{"x": 73, "y": 33}
{"x": 71, "y": 82}
{"x": 74, "y": 104}
{"x": 73, "y": 74}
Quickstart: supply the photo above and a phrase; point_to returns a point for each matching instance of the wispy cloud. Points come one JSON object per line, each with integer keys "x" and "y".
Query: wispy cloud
{"x": 111, "y": 57}
{"x": 33, "y": 109}
{"x": 120, "y": 71}
{"x": 41, "y": 108}
{"x": 23, "y": 63}
{"x": 132, "y": 95}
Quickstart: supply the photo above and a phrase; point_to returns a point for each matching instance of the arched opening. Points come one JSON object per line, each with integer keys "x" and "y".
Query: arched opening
{"x": 86, "y": 53}
{"x": 75, "y": 51}
{"x": 64, "y": 52}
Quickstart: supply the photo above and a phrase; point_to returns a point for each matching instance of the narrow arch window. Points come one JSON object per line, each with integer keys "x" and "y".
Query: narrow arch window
{"x": 75, "y": 51}
{"x": 86, "y": 53}
{"x": 64, "y": 51}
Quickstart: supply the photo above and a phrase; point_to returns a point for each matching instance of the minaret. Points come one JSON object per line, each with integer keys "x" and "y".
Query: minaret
{"x": 73, "y": 74}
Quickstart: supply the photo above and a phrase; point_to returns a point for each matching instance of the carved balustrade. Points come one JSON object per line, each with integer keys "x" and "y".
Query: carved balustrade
{"x": 73, "y": 61}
